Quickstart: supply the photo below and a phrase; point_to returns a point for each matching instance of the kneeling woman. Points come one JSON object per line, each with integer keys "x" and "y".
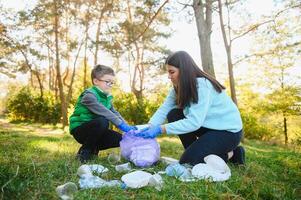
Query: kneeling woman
{"x": 200, "y": 112}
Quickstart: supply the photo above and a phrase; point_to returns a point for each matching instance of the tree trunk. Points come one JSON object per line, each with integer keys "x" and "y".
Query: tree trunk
{"x": 204, "y": 25}
{"x": 58, "y": 71}
{"x": 32, "y": 72}
{"x": 40, "y": 83}
{"x": 49, "y": 70}
{"x": 69, "y": 95}
{"x": 137, "y": 71}
{"x": 228, "y": 48}
{"x": 285, "y": 129}
{"x": 137, "y": 74}
{"x": 85, "y": 56}
{"x": 97, "y": 36}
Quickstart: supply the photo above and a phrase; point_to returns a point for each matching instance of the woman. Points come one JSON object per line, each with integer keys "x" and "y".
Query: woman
{"x": 200, "y": 112}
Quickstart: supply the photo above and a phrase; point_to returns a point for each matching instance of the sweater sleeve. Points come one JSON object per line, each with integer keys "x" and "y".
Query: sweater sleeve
{"x": 90, "y": 101}
{"x": 117, "y": 113}
{"x": 195, "y": 114}
{"x": 160, "y": 115}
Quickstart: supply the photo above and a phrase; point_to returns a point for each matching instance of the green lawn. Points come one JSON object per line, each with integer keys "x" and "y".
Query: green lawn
{"x": 35, "y": 159}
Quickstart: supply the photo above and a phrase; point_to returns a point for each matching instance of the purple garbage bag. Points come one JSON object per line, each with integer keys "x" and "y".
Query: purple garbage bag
{"x": 140, "y": 151}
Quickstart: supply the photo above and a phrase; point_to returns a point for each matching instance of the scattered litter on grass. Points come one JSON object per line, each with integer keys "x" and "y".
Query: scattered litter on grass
{"x": 214, "y": 169}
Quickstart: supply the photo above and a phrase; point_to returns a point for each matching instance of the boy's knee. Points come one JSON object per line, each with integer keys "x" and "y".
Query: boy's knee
{"x": 101, "y": 122}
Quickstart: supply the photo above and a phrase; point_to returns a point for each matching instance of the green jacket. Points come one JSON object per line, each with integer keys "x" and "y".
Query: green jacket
{"x": 82, "y": 114}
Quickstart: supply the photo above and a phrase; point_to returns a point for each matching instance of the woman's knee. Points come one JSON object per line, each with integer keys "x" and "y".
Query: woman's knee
{"x": 192, "y": 159}
{"x": 175, "y": 115}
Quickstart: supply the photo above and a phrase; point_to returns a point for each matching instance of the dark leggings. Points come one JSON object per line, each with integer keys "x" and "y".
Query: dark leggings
{"x": 96, "y": 135}
{"x": 204, "y": 141}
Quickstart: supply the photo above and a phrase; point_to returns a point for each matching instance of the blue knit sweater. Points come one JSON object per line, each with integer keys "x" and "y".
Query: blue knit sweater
{"x": 213, "y": 110}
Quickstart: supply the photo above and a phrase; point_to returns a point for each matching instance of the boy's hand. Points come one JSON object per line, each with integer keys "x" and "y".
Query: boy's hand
{"x": 124, "y": 127}
{"x": 150, "y": 132}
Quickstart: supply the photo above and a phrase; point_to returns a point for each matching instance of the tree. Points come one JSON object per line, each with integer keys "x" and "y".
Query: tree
{"x": 19, "y": 52}
{"x": 230, "y": 35}
{"x": 135, "y": 39}
{"x": 227, "y": 44}
{"x": 203, "y": 17}
{"x": 279, "y": 46}
{"x": 286, "y": 101}
{"x": 56, "y": 12}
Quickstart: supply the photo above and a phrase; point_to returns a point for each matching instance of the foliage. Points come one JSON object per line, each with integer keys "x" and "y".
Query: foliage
{"x": 285, "y": 100}
{"x": 133, "y": 111}
{"x": 254, "y": 129}
{"x": 45, "y": 159}
{"x": 28, "y": 105}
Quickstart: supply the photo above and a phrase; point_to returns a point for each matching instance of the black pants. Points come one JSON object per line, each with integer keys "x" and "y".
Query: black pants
{"x": 95, "y": 135}
{"x": 204, "y": 141}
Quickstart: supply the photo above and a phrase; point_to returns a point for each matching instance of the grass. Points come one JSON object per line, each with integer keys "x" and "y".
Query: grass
{"x": 35, "y": 159}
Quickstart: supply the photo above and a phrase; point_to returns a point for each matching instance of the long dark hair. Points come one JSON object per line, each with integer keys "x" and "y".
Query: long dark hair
{"x": 188, "y": 73}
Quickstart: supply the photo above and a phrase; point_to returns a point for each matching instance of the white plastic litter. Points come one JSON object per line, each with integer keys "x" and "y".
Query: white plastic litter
{"x": 182, "y": 172}
{"x": 87, "y": 170}
{"x": 156, "y": 181}
{"x": 168, "y": 160}
{"x": 98, "y": 168}
{"x": 215, "y": 169}
{"x": 66, "y": 191}
{"x": 86, "y": 182}
{"x": 123, "y": 167}
{"x": 136, "y": 179}
{"x": 114, "y": 158}
{"x": 187, "y": 177}
{"x": 84, "y": 170}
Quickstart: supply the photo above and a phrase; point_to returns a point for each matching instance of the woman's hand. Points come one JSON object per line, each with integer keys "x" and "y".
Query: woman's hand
{"x": 151, "y": 132}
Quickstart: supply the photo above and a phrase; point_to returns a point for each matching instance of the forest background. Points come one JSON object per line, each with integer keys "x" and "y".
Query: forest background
{"x": 48, "y": 48}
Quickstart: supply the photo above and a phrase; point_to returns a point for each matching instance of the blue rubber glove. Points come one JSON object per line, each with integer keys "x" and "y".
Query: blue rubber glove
{"x": 151, "y": 132}
{"x": 124, "y": 127}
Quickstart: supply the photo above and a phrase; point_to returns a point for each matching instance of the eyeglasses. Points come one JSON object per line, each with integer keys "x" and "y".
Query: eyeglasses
{"x": 108, "y": 83}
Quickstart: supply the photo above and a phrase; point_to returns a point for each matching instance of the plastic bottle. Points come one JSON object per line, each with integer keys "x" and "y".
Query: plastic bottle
{"x": 156, "y": 181}
{"x": 114, "y": 158}
{"x": 123, "y": 167}
{"x": 66, "y": 191}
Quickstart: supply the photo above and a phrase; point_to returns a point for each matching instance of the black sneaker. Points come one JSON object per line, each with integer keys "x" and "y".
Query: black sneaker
{"x": 84, "y": 155}
{"x": 238, "y": 157}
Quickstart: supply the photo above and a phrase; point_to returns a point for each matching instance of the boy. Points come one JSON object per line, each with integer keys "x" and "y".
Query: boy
{"x": 89, "y": 123}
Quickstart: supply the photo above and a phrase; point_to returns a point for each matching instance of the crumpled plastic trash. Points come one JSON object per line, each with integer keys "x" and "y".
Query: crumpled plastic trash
{"x": 176, "y": 169}
{"x": 139, "y": 179}
{"x": 214, "y": 169}
{"x": 66, "y": 191}
{"x": 114, "y": 158}
{"x": 87, "y": 170}
{"x": 136, "y": 179}
{"x": 156, "y": 181}
{"x": 86, "y": 182}
{"x": 123, "y": 167}
{"x": 179, "y": 171}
